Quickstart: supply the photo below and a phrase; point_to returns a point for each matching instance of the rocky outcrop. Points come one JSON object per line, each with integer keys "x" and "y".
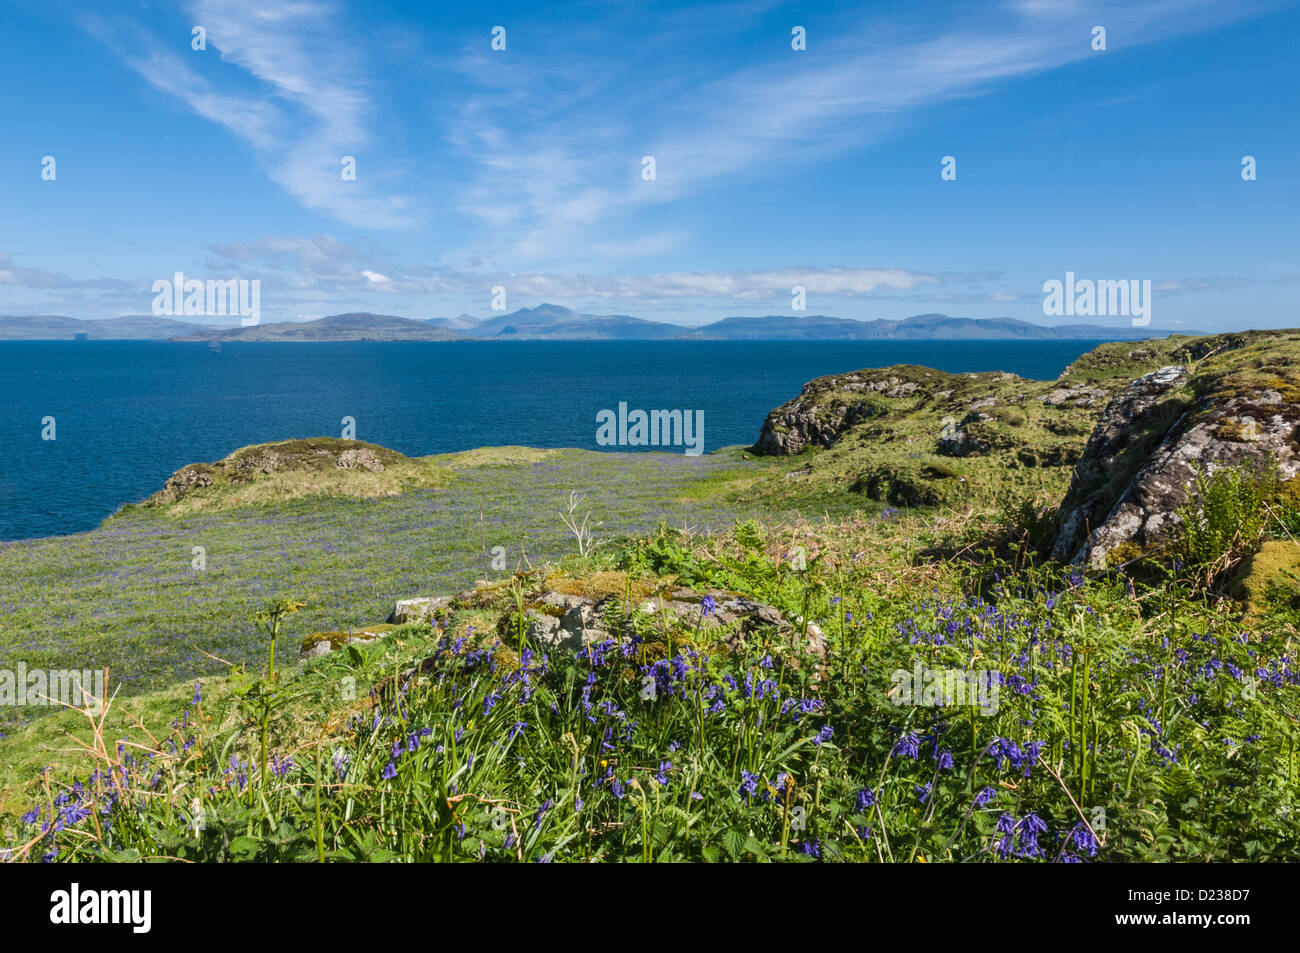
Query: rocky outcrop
{"x": 1133, "y": 424}
{"x": 829, "y": 406}
{"x": 292, "y": 468}
{"x": 1156, "y": 437}
{"x": 323, "y": 643}
{"x": 568, "y": 622}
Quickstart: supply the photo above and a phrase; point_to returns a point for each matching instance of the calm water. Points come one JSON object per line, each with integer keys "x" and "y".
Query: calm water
{"x": 129, "y": 413}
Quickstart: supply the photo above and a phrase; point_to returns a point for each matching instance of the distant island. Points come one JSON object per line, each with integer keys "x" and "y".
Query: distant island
{"x": 549, "y": 322}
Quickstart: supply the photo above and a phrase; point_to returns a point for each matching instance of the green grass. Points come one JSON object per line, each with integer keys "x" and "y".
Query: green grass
{"x": 126, "y": 595}
{"x": 1131, "y": 724}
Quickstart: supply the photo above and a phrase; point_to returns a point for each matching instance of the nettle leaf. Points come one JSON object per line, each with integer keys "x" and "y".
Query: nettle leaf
{"x": 733, "y": 841}
{"x": 244, "y": 849}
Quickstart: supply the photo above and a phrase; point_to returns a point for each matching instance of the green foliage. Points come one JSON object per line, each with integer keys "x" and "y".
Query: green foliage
{"x": 1027, "y": 518}
{"x": 1134, "y": 717}
{"x": 1225, "y": 515}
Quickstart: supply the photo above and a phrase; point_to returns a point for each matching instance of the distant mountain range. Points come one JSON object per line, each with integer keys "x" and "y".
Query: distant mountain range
{"x": 549, "y": 322}
{"x": 131, "y": 327}
{"x": 337, "y": 327}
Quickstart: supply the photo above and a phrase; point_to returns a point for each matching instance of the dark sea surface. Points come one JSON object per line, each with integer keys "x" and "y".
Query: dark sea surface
{"x": 128, "y": 414}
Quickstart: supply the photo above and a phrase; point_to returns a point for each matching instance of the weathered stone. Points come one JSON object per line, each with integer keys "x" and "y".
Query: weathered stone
{"x": 422, "y": 609}
{"x": 362, "y": 459}
{"x": 1151, "y": 443}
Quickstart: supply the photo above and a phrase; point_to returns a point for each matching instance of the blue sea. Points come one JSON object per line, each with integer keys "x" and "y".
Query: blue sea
{"x": 127, "y": 414}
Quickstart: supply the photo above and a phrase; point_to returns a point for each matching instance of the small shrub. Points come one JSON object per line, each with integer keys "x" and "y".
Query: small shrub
{"x": 1224, "y": 517}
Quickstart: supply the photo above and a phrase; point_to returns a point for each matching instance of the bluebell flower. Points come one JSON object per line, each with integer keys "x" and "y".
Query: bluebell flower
{"x": 909, "y": 746}
{"x": 1084, "y": 840}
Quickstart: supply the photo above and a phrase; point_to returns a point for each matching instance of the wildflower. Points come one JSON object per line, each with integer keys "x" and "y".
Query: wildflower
{"x": 945, "y": 760}
{"x": 198, "y": 694}
{"x": 516, "y": 730}
{"x": 748, "y": 784}
{"x": 986, "y": 794}
{"x": 811, "y": 847}
{"x": 824, "y": 735}
{"x": 390, "y": 771}
{"x": 866, "y": 798}
{"x": 662, "y": 776}
{"x": 74, "y": 814}
{"x": 1032, "y": 826}
{"x": 1084, "y": 840}
{"x": 909, "y": 746}
{"x": 541, "y": 812}
{"x": 708, "y": 606}
{"x": 922, "y": 791}
{"x": 1006, "y": 827}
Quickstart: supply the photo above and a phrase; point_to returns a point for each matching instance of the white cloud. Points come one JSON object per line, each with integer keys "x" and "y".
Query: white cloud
{"x": 545, "y": 192}
{"x": 305, "y": 108}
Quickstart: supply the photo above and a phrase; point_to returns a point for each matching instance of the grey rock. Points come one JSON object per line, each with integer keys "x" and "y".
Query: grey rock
{"x": 1152, "y": 441}
{"x": 422, "y": 609}
{"x": 1133, "y": 424}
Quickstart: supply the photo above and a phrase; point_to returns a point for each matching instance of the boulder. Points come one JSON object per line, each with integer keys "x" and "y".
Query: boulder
{"x": 323, "y": 643}
{"x": 423, "y": 609}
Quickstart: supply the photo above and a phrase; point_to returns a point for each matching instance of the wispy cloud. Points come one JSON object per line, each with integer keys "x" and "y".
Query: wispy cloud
{"x": 324, "y": 263}
{"x": 297, "y": 97}
{"x": 550, "y": 178}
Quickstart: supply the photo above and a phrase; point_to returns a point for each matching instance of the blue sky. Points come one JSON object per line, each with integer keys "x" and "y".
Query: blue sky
{"x": 522, "y": 168}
